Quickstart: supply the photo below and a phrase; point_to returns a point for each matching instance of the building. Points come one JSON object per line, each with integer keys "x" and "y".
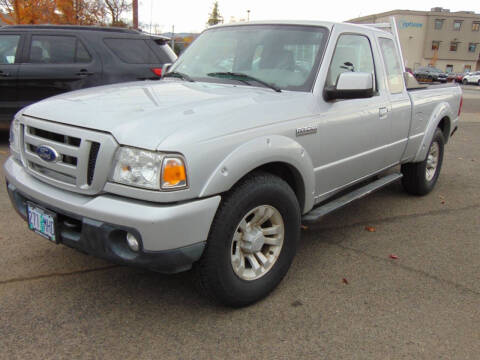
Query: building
{"x": 447, "y": 40}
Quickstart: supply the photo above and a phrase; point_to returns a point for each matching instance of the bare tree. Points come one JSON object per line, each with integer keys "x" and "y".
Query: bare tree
{"x": 115, "y": 9}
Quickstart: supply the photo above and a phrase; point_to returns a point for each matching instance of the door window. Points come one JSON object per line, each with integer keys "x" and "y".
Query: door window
{"x": 392, "y": 65}
{"x": 8, "y": 48}
{"x": 46, "y": 49}
{"x": 352, "y": 53}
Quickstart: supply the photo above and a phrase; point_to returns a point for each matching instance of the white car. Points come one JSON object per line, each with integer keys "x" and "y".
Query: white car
{"x": 472, "y": 78}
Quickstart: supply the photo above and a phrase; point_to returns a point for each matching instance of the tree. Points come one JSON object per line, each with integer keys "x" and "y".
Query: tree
{"x": 115, "y": 8}
{"x": 215, "y": 17}
{"x": 27, "y": 11}
{"x": 77, "y": 12}
{"x": 80, "y": 12}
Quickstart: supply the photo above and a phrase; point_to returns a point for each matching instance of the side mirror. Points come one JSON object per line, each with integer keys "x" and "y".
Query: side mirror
{"x": 351, "y": 85}
{"x": 165, "y": 68}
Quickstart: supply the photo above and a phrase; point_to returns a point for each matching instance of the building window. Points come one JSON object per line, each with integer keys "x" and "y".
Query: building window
{"x": 449, "y": 69}
{"x": 467, "y": 68}
{"x": 476, "y": 26}
{"x": 457, "y": 25}
{"x": 472, "y": 47}
{"x": 453, "y": 46}
{"x": 435, "y": 45}
{"x": 438, "y": 24}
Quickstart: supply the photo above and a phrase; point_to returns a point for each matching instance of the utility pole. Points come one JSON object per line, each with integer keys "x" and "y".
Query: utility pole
{"x": 151, "y": 14}
{"x": 248, "y": 15}
{"x": 172, "y": 42}
{"x": 135, "y": 13}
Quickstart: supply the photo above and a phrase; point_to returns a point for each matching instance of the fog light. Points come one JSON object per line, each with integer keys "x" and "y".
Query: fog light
{"x": 132, "y": 242}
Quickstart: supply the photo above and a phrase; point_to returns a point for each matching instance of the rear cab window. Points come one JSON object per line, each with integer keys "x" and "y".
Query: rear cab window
{"x": 132, "y": 51}
{"x": 393, "y": 68}
{"x": 8, "y": 48}
{"x": 54, "y": 49}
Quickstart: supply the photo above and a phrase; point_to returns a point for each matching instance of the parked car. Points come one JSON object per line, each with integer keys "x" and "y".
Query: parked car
{"x": 451, "y": 76}
{"x": 217, "y": 165}
{"x": 472, "y": 78}
{"x": 431, "y": 74}
{"x": 38, "y": 61}
{"x": 459, "y": 77}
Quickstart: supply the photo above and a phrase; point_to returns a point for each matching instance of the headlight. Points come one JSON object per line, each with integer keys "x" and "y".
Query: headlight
{"x": 148, "y": 169}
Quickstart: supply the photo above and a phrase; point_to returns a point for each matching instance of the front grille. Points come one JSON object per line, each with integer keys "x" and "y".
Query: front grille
{"x": 50, "y": 135}
{"x": 45, "y": 171}
{"x": 71, "y": 160}
{"x": 92, "y": 160}
{"x": 77, "y": 152}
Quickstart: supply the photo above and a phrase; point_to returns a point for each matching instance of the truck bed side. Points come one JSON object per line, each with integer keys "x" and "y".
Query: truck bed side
{"x": 431, "y": 106}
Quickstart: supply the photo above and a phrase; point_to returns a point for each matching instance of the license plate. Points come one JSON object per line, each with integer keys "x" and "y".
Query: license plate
{"x": 42, "y": 221}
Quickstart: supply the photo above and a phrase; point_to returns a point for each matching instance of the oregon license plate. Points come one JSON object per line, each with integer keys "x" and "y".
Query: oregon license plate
{"x": 42, "y": 221}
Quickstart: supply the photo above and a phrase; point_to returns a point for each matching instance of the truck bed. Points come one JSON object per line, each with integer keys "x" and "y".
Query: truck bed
{"x": 431, "y": 86}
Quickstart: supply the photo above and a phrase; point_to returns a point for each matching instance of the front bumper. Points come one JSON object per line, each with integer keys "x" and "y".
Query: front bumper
{"x": 172, "y": 236}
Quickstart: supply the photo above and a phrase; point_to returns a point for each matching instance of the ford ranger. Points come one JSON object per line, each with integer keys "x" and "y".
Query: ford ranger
{"x": 255, "y": 129}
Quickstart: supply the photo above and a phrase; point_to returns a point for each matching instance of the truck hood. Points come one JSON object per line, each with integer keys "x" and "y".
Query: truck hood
{"x": 159, "y": 115}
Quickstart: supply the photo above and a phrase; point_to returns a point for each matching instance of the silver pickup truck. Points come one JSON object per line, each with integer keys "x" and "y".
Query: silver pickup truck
{"x": 256, "y": 128}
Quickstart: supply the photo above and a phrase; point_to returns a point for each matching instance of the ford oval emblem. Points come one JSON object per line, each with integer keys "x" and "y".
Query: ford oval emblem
{"x": 47, "y": 153}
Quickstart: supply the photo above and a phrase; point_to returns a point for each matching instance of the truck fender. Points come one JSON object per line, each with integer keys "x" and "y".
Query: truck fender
{"x": 441, "y": 111}
{"x": 258, "y": 152}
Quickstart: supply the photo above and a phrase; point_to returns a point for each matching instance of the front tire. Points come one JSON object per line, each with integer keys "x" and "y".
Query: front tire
{"x": 252, "y": 241}
{"x": 464, "y": 82}
{"x": 420, "y": 178}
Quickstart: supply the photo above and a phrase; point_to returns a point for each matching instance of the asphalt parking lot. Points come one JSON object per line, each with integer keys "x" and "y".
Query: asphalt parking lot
{"x": 344, "y": 297}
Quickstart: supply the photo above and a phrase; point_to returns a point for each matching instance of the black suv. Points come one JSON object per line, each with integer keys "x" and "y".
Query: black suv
{"x": 38, "y": 61}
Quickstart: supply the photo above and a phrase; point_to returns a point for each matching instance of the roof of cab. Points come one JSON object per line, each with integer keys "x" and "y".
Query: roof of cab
{"x": 327, "y": 24}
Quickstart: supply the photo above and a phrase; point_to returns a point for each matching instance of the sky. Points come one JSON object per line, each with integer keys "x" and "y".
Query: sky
{"x": 192, "y": 15}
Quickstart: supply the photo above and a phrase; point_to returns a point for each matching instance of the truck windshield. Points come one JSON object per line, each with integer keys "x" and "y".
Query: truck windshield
{"x": 282, "y": 57}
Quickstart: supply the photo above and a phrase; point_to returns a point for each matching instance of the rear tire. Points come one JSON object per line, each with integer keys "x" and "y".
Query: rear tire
{"x": 420, "y": 178}
{"x": 226, "y": 272}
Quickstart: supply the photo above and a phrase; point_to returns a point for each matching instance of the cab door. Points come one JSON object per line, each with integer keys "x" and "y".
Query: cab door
{"x": 354, "y": 134}
{"x": 10, "y": 49}
{"x": 400, "y": 104}
{"x": 55, "y": 64}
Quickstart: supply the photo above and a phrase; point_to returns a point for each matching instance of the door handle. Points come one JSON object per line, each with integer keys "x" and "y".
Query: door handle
{"x": 84, "y": 72}
{"x": 383, "y": 112}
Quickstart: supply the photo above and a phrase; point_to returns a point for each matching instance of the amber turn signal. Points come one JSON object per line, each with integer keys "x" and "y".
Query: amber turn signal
{"x": 174, "y": 174}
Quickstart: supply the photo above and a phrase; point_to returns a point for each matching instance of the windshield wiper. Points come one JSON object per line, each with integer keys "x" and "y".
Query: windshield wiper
{"x": 245, "y": 78}
{"x": 179, "y": 75}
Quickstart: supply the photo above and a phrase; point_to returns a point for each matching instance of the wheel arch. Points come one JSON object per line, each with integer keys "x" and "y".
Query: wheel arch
{"x": 278, "y": 155}
{"x": 445, "y": 126}
{"x": 441, "y": 118}
{"x": 289, "y": 174}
